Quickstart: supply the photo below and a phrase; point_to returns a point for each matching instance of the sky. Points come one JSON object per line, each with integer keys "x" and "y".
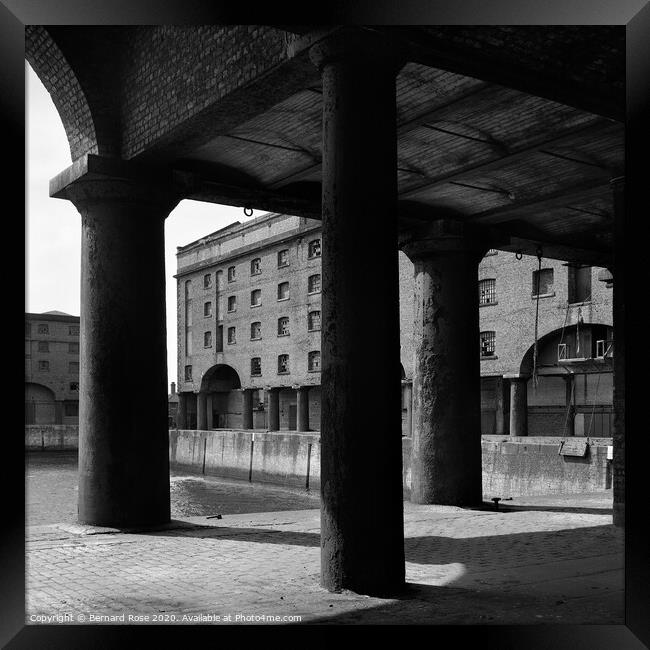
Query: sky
{"x": 53, "y": 226}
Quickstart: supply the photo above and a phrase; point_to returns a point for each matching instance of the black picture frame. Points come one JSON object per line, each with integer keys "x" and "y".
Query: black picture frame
{"x": 634, "y": 14}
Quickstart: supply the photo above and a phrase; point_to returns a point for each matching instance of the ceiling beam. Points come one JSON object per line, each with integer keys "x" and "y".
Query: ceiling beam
{"x": 564, "y": 197}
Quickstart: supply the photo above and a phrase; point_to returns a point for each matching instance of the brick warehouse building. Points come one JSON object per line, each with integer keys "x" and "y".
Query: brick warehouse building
{"x": 51, "y": 368}
{"x": 249, "y": 325}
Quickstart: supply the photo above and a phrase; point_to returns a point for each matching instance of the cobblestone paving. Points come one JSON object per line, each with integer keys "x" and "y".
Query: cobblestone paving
{"x": 547, "y": 560}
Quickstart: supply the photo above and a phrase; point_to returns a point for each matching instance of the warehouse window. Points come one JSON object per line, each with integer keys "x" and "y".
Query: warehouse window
{"x": 207, "y": 280}
{"x": 74, "y": 385}
{"x": 313, "y": 361}
{"x": 73, "y": 367}
{"x": 231, "y": 335}
{"x": 188, "y": 373}
{"x": 207, "y": 309}
{"x": 43, "y": 346}
{"x": 542, "y": 282}
{"x": 283, "y": 258}
{"x": 313, "y": 283}
{"x": 256, "y": 331}
{"x": 256, "y": 266}
{"x": 283, "y": 364}
{"x": 283, "y": 291}
{"x": 256, "y": 366}
{"x": 256, "y": 298}
{"x": 231, "y": 274}
{"x": 313, "y": 321}
{"x": 73, "y": 330}
{"x": 283, "y": 326}
{"x": 232, "y": 303}
{"x": 314, "y": 248}
{"x": 487, "y": 292}
{"x": 487, "y": 344}
{"x": 44, "y": 366}
{"x": 207, "y": 339}
{"x": 43, "y": 328}
{"x": 579, "y": 279}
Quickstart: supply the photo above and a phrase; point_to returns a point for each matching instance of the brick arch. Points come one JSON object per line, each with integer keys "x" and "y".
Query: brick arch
{"x": 86, "y": 127}
{"x": 526, "y": 366}
{"x": 220, "y": 377}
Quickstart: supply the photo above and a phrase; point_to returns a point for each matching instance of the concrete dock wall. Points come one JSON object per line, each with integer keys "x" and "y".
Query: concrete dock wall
{"x": 51, "y": 437}
{"x": 512, "y": 466}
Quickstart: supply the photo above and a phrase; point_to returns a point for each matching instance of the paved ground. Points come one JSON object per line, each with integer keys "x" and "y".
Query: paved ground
{"x": 543, "y": 560}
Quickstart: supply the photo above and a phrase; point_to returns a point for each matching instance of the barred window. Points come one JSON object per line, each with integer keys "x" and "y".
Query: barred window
{"x": 542, "y": 282}
{"x": 207, "y": 280}
{"x": 283, "y": 291}
{"x": 232, "y": 303}
{"x": 283, "y": 326}
{"x": 256, "y": 266}
{"x": 73, "y": 367}
{"x": 314, "y": 248}
{"x": 231, "y": 335}
{"x": 283, "y": 258}
{"x": 43, "y": 346}
{"x": 283, "y": 364}
{"x": 231, "y": 274}
{"x": 256, "y": 366}
{"x": 256, "y": 298}
{"x": 73, "y": 330}
{"x": 256, "y": 331}
{"x": 207, "y": 309}
{"x": 43, "y": 328}
{"x": 487, "y": 292}
{"x": 188, "y": 373}
{"x": 313, "y": 361}
{"x": 74, "y": 385}
{"x": 487, "y": 344}
{"x": 44, "y": 366}
{"x": 207, "y": 339}
{"x": 313, "y": 321}
{"x": 313, "y": 283}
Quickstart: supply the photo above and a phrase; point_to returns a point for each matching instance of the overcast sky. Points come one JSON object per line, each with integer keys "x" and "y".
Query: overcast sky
{"x": 53, "y": 226}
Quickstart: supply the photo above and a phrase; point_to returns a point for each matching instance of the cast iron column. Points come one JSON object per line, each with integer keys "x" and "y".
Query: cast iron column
{"x": 519, "y": 406}
{"x": 302, "y": 408}
{"x": 446, "y": 465}
{"x": 274, "y": 409}
{"x": 123, "y": 425}
{"x": 618, "y": 438}
{"x": 181, "y": 413}
{"x": 362, "y": 537}
{"x": 502, "y": 407}
{"x": 407, "y": 388}
{"x": 247, "y": 408}
{"x": 201, "y": 411}
{"x": 208, "y": 411}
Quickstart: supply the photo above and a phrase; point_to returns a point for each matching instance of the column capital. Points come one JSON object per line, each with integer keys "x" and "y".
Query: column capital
{"x": 94, "y": 179}
{"x": 440, "y": 237}
{"x": 515, "y": 376}
{"x": 351, "y": 43}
